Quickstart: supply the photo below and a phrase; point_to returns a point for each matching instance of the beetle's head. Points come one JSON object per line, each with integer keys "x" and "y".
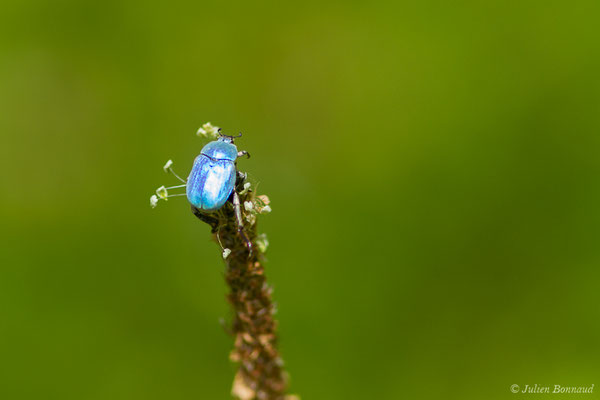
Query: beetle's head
{"x": 227, "y": 138}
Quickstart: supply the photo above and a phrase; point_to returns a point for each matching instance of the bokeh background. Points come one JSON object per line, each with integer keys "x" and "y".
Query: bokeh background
{"x": 434, "y": 175}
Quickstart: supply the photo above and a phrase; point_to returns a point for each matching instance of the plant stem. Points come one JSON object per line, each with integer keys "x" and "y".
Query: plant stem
{"x": 260, "y": 375}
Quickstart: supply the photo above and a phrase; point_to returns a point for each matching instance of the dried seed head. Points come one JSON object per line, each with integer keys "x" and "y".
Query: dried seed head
{"x": 241, "y": 389}
{"x": 264, "y": 199}
{"x": 262, "y": 204}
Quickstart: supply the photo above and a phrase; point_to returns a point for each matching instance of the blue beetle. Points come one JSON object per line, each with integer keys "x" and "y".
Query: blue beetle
{"x": 213, "y": 175}
{"x": 212, "y": 180}
{"x": 211, "y": 183}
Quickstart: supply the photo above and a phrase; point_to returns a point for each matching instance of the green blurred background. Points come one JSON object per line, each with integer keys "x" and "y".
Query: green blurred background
{"x": 433, "y": 169}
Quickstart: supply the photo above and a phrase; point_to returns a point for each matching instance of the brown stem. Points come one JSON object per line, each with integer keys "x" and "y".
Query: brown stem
{"x": 260, "y": 375}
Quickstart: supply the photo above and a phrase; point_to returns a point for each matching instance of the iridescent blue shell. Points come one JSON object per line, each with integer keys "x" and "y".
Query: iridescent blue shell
{"x": 213, "y": 175}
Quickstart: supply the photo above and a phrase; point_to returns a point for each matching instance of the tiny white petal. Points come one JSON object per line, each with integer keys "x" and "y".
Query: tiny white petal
{"x": 246, "y": 189}
{"x": 266, "y": 210}
{"x": 168, "y": 165}
{"x": 248, "y": 205}
{"x": 262, "y": 242}
{"x": 153, "y": 201}
{"x": 226, "y": 253}
{"x": 201, "y": 132}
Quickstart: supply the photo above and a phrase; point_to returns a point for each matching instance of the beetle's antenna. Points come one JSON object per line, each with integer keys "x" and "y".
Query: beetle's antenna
{"x": 228, "y": 136}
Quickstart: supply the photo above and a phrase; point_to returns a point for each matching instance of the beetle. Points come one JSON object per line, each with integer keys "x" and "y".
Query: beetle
{"x": 213, "y": 175}
{"x": 212, "y": 181}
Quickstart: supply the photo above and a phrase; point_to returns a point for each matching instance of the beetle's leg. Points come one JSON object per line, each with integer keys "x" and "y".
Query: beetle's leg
{"x": 243, "y": 153}
{"x": 240, "y": 178}
{"x": 210, "y": 220}
{"x": 238, "y": 216}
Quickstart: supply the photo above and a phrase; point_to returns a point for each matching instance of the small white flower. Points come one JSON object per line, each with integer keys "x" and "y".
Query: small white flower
{"x": 208, "y": 131}
{"x": 265, "y": 210}
{"x": 262, "y": 242}
{"x": 168, "y": 165}
{"x": 226, "y": 253}
{"x": 246, "y": 189}
{"x": 153, "y": 201}
{"x": 162, "y": 192}
{"x": 249, "y": 206}
{"x": 251, "y": 218}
